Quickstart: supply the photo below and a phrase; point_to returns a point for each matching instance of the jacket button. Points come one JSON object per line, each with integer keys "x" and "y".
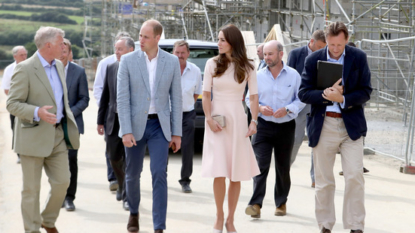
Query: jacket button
{"x": 322, "y": 115}
{"x": 148, "y": 98}
{"x": 145, "y": 112}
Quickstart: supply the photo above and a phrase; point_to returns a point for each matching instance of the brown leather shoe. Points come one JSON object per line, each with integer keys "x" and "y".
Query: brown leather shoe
{"x": 281, "y": 211}
{"x": 253, "y": 210}
{"x": 324, "y": 230}
{"x": 50, "y": 230}
{"x": 133, "y": 225}
{"x": 158, "y": 231}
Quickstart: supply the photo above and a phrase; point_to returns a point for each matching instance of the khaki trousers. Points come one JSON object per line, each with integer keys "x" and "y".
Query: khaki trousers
{"x": 57, "y": 169}
{"x": 333, "y": 138}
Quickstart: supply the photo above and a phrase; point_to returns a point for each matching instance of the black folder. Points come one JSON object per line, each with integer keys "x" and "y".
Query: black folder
{"x": 328, "y": 73}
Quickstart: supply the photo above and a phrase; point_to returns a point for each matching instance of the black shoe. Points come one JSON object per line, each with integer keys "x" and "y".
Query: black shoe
{"x": 125, "y": 206}
{"x": 119, "y": 194}
{"x": 365, "y": 170}
{"x": 341, "y": 173}
{"x": 113, "y": 185}
{"x": 356, "y": 231}
{"x": 324, "y": 230}
{"x": 69, "y": 206}
{"x": 186, "y": 188}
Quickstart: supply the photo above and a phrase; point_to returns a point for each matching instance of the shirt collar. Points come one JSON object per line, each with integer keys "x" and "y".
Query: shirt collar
{"x": 44, "y": 62}
{"x": 284, "y": 68}
{"x": 158, "y": 51}
{"x": 308, "y": 49}
{"x": 329, "y": 58}
{"x": 188, "y": 67}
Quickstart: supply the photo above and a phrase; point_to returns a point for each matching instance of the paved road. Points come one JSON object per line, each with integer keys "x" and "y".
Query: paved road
{"x": 390, "y": 195}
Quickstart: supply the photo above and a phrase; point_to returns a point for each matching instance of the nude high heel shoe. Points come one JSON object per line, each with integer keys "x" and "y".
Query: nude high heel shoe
{"x": 216, "y": 231}
{"x": 226, "y": 225}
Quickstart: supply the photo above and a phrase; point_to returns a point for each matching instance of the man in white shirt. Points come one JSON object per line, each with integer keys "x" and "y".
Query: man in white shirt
{"x": 191, "y": 89}
{"x": 19, "y": 55}
{"x": 98, "y": 87}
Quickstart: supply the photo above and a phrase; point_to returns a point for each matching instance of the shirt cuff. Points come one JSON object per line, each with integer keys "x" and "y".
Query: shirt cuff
{"x": 35, "y": 115}
{"x": 343, "y": 104}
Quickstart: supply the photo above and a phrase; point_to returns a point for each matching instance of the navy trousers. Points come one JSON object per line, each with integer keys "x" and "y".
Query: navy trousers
{"x": 187, "y": 147}
{"x": 158, "y": 148}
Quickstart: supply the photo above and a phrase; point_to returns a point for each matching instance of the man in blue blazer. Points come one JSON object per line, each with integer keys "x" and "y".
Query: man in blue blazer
{"x": 78, "y": 97}
{"x": 337, "y": 121}
{"x": 149, "y": 103}
{"x": 296, "y": 60}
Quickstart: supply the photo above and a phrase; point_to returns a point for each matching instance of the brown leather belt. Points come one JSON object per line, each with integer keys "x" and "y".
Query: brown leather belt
{"x": 334, "y": 114}
{"x": 56, "y": 125}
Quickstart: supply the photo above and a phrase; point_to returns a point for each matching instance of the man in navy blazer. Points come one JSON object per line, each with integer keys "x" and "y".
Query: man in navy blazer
{"x": 337, "y": 121}
{"x": 296, "y": 60}
{"x": 78, "y": 97}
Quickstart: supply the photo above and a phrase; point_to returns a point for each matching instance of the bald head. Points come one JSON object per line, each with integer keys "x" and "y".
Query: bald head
{"x": 273, "y": 52}
{"x": 260, "y": 52}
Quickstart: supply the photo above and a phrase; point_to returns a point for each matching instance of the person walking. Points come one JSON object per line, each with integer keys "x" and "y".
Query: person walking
{"x": 45, "y": 128}
{"x": 337, "y": 121}
{"x": 227, "y": 152}
{"x": 191, "y": 89}
{"x": 149, "y": 104}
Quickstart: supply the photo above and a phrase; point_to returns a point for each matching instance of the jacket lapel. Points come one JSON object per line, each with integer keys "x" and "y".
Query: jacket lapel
{"x": 42, "y": 76}
{"x": 348, "y": 61}
{"x": 69, "y": 79}
{"x": 142, "y": 65}
{"x": 160, "y": 68}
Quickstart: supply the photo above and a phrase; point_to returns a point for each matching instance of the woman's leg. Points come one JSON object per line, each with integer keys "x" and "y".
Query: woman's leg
{"x": 219, "y": 190}
{"x": 233, "y": 197}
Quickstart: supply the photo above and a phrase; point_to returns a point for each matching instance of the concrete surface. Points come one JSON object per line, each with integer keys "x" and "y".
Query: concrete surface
{"x": 390, "y": 195}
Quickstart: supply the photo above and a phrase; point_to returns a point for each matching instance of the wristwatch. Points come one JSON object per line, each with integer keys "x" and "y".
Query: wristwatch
{"x": 255, "y": 121}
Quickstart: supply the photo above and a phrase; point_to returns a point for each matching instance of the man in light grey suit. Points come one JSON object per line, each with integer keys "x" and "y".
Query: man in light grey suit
{"x": 151, "y": 115}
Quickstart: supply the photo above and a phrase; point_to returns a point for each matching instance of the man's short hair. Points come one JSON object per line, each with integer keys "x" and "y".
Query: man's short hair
{"x": 16, "y": 49}
{"x": 181, "y": 43}
{"x": 129, "y": 42}
{"x": 318, "y": 35}
{"x": 157, "y": 27}
{"x": 351, "y": 44}
{"x": 122, "y": 34}
{"x": 335, "y": 28}
{"x": 47, "y": 34}
{"x": 67, "y": 43}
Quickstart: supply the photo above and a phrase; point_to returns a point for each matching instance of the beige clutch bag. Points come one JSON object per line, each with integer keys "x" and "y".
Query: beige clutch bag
{"x": 220, "y": 119}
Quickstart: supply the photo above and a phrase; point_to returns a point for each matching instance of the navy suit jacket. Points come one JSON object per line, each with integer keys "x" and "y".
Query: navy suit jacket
{"x": 78, "y": 95}
{"x": 297, "y": 57}
{"x": 357, "y": 89}
{"x": 108, "y": 102}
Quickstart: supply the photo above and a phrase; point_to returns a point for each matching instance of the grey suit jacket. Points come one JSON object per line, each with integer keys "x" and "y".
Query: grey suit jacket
{"x": 78, "y": 95}
{"x": 134, "y": 95}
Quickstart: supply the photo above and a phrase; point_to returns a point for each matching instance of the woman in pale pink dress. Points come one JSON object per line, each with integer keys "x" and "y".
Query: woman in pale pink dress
{"x": 227, "y": 151}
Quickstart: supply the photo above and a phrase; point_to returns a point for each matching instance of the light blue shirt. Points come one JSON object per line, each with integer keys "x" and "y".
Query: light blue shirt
{"x": 335, "y": 107}
{"x": 56, "y": 85}
{"x": 191, "y": 85}
{"x": 279, "y": 92}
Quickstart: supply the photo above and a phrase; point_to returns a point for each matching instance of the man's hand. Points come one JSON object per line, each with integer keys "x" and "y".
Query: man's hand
{"x": 47, "y": 116}
{"x": 128, "y": 140}
{"x": 281, "y": 112}
{"x": 266, "y": 110}
{"x": 333, "y": 94}
{"x": 338, "y": 86}
{"x": 251, "y": 129}
{"x": 100, "y": 129}
{"x": 175, "y": 144}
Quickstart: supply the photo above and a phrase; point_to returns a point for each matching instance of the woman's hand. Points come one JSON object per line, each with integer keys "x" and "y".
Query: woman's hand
{"x": 251, "y": 129}
{"x": 214, "y": 125}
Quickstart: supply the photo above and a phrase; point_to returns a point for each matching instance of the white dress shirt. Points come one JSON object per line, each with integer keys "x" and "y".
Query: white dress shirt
{"x": 66, "y": 70}
{"x": 191, "y": 85}
{"x": 7, "y": 76}
{"x": 151, "y": 69}
{"x": 100, "y": 76}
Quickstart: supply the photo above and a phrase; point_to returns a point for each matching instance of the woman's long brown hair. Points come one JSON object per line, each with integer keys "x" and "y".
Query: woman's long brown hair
{"x": 242, "y": 65}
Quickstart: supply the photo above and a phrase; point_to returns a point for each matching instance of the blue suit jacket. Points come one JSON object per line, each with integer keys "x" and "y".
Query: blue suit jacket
{"x": 357, "y": 89}
{"x": 78, "y": 94}
{"x": 297, "y": 57}
{"x": 134, "y": 95}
